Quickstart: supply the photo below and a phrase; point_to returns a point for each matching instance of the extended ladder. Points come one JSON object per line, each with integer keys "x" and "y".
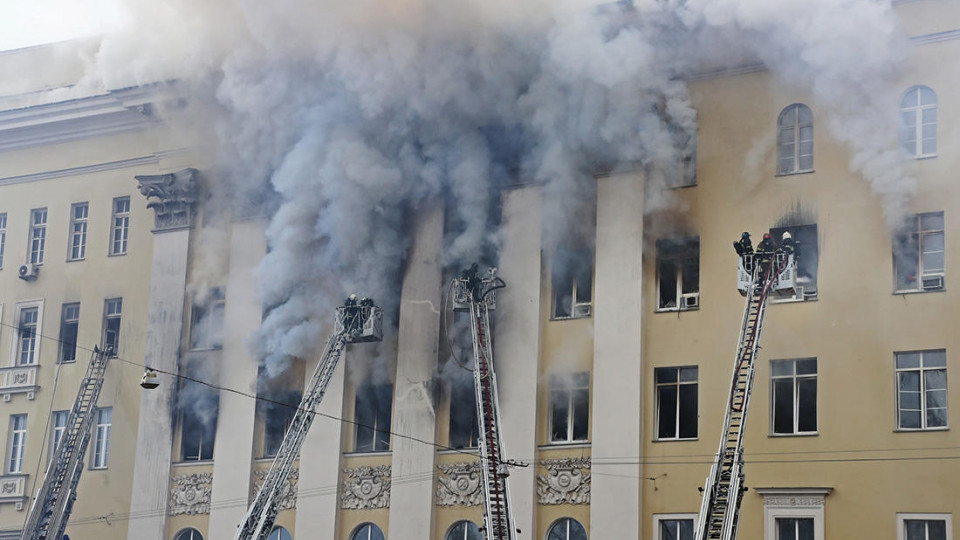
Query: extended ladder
{"x": 478, "y": 296}
{"x": 54, "y": 502}
{"x": 363, "y": 323}
{"x": 723, "y": 490}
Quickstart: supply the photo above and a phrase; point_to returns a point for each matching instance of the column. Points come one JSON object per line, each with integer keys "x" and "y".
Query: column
{"x": 172, "y": 197}
{"x": 517, "y": 345}
{"x": 411, "y": 500}
{"x": 233, "y": 448}
{"x": 617, "y": 309}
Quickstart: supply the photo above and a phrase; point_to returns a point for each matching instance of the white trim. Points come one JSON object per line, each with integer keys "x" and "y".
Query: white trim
{"x": 901, "y": 517}
{"x": 798, "y": 502}
{"x": 151, "y": 159}
{"x": 657, "y": 518}
{"x": 16, "y": 324}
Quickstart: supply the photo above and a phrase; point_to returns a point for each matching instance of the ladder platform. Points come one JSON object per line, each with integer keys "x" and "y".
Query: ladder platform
{"x": 785, "y": 284}
{"x": 465, "y": 286}
{"x": 361, "y": 323}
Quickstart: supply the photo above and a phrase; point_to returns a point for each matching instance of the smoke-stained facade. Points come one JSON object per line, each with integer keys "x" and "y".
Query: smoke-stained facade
{"x": 603, "y": 158}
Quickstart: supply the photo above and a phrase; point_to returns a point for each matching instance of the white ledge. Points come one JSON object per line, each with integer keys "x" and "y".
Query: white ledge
{"x": 18, "y": 380}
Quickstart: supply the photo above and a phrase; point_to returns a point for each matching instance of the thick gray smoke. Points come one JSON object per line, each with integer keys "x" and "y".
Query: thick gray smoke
{"x": 344, "y": 118}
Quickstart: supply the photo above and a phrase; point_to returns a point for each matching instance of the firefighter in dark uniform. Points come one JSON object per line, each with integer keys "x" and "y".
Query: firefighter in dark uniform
{"x": 787, "y": 244}
{"x": 765, "y": 251}
{"x": 743, "y": 246}
{"x": 350, "y": 313}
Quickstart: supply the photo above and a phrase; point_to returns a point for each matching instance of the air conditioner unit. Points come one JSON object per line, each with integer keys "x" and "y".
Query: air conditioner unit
{"x": 581, "y": 310}
{"x": 932, "y": 282}
{"x": 690, "y": 301}
{"x": 28, "y": 272}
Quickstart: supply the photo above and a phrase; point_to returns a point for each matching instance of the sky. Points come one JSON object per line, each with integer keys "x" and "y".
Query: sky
{"x": 24, "y": 23}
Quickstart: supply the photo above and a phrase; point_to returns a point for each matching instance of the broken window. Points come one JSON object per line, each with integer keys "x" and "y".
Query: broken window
{"x": 795, "y": 529}
{"x": 922, "y": 389}
{"x": 676, "y": 402}
{"x": 569, "y": 407}
{"x": 572, "y": 283}
{"x": 69, "y": 326}
{"x": 807, "y": 256}
{"x": 918, "y": 253}
{"x": 794, "y": 396}
{"x": 678, "y": 274}
{"x": 795, "y": 140}
{"x": 918, "y": 127}
{"x": 279, "y": 398}
{"x": 199, "y": 407}
{"x": 372, "y": 416}
{"x": 463, "y": 414}
{"x": 206, "y": 321}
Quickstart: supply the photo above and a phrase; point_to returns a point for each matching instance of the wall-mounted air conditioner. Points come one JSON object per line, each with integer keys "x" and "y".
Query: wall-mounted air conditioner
{"x": 28, "y": 272}
{"x": 931, "y": 282}
{"x": 690, "y": 301}
{"x": 581, "y": 310}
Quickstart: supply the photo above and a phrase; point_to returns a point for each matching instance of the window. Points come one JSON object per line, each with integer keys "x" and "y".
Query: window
{"x": 367, "y": 531}
{"x": 120, "y": 226}
{"x": 682, "y": 171}
{"x": 795, "y": 140}
{"x": 27, "y": 329}
{"x": 572, "y": 283}
{"x": 793, "y": 513}
{"x": 189, "y": 534}
{"x": 373, "y": 409}
{"x": 464, "y": 530}
{"x": 112, "y": 309}
{"x": 569, "y": 407}
{"x": 101, "y": 438}
{"x": 278, "y": 413}
{"x": 38, "y": 234}
{"x": 78, "y": 231}
{"x": 922, "y": 389}
{"x": 795, "y": 529}
{"x": 463, "y": 414}
{"x": 3, "y": 235}
{"x": 18, "y": 440}
{"x": 676, "y": 402}
{"x": 206, "y": 321}
{"x": 69, "y": 326}
{"x": 794, "y": 396}
{"x": 924, "y": 527}
{"x": 673, "y": 526}
{"x": 199, "y": 408}
{"x": 567, "y": 529}
{"x": 918, "y": 253}
{"x": 57, "y": 429}
{"x": 918, "y": 130}
{"x": 280, "y": 534}
{"x": 807, "y": 256}
{"x": 678, "y": 274}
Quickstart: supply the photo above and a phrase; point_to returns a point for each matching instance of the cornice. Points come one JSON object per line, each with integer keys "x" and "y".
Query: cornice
{"x": 936, "y": 37}
{"x": 83, "y": 169}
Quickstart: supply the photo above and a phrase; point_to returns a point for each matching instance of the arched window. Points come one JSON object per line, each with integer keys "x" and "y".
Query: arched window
{"x": 188, "y": 534}
{"x": 918, "y": 114}
{"x": 367, "y": 531}
{"x": 567, "y": 529}
{"x": 795, "y": 140}
{"x": 464, "y": 530}
{"x": 280, "y": 534}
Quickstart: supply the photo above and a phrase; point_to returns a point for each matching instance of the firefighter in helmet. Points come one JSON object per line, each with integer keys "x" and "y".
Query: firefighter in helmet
{"x": 765, "y": 251}
{"x": 743, "y": 246}
{"x": 787, "y": 244}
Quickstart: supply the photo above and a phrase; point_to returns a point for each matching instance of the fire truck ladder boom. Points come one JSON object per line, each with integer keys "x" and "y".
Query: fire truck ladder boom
{"x": 54, "y": 501}
{"x": 363, "y": 323}
{"x": 723, "y": 489}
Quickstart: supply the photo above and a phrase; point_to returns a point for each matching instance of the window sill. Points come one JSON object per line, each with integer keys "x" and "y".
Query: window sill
{"x": 206, "y": 349}
{"x": 789, "y": 300}
{"x": 921, "y": 430}
{"x": 675, "y": 310}
{"x": 794, "y": 173}
{"x": 677, "y": 440}
{"x": 923, "y": 156}
{"x": 681, "y": 186}
{"x": 100, "y": 468}
{"x": 368, "y": 454}
{"x": 473, "y": 450}
{"x": 192, "y": 463}
{"x": 790, "y": 435}
{"x": 571, "y": 318}
{"x": 918, "y": 291}
{"x": 76, "y": 260}
{"x": 115, "y": 254}
{"x": 564, "y": 444}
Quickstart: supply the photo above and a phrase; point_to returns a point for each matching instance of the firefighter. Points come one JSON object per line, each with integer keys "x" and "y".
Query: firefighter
{"x": 765, "y": 251}
{"x": 743, "y": 246}
{"x": 473, "y": 282}
{"x": 350, "y": 312}
{"x": 787, "y": 245}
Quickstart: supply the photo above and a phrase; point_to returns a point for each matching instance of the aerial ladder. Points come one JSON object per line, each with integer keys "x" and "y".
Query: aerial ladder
{"x": 54, "y": 501}
{"x": 356, "y": 322}
{"x": 477, "y": 294}
{"x": 724, "y": 488}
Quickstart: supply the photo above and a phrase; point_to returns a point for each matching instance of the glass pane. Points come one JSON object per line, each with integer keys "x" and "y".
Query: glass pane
{"x": 806, "y": 136}
{"x": 783, "y": 406}
{"x": 807, "y": 366}
{"x": 686, "y": 529}
{"x": 935, "y": 359}
{"x": 928, "y": 131}
{"x": 911, "y": 99}
{"x": 690, "y": 275}
{"x": 937, "y": 529}
{"x": 669, "y": 530}
{"x": 909, "y": 119}
{"x": 786, "y": 164}
{"x": 910, "y": 400}
{"x": 688, "y": 411}
{"x": 929, "y": 146}
{"x": 910, "y": 381}
{"x": 805, "y": 114}
{"x": 688, "y": 374}
{"x": 807, "y": 405}
{"x": 782, "y": 367}
{"x": 577, "y": 532}
{"x": 666, "y": 375}
{"x": 805, "y": 529}
{"x": 935, "y": 379}
{"x": 908, "y": 360}
{"x": 933, "y": 242}
{"x": 584, "y": 285}
{"x": 936, "y": 418}
{"x": 806, "y": 163}
{"x": 931, "y": 222}
{"x": 910, "y": 419}
{"x": 667, "y": 412}
{"x": 581, "y": 414}
{"x": 932, "y": 262}
{"x": 786, "y": 529}
{"x": 929, "y": 116}
{"x": 916, "y": 529}
{"x": 668, "y": 284}
{"x": 559, "y": 413}
{"x": 927, "y": 96}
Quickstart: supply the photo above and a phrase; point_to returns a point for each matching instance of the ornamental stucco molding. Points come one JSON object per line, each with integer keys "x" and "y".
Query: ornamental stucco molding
{"x": 366, "y": 488}
{"x": 190, "y": 494}
{"x": 801, "y": 497}
{"x": 459, "y": 484}
{"x": 288, "y": 496}
{"x": 566, "y": 482}
{"x": 172, "y": 197}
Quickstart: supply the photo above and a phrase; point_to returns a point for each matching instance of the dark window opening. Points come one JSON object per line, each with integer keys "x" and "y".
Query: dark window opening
{"x": 678, "y": 274}
{"x": 69, "y": 326}
{"x": 677, "y": 402}
{"x": 569, "y": 407}
{"x": 199, "y": 408}
{"x": 464, "y": 431}
{"x": 918, "y": 253}
{"x": 372, "y": 415}
{"x": 806, "y": 254}
{"x": 794, "y": 387}
{"x": 572, "y": 282}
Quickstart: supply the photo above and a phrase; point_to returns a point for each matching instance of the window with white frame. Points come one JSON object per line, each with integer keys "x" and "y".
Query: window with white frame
{"x": 38, "y": 234}
{"x": 280, "y": 533}
{"x": 199, "y": 407}
{"x": 806, "y": 255}
{"x": 567, "y": 529}
{"x": 569, "y": 407}
{"x": 918, "y": 129}
{"x": 17, "y": 443}
{"x": 374, "y": 405}
{"x": 795, "y": 528}
{"x": 572, "y": 282}
{"x": 918, "y": 253}
{"x": 367, "y": 531}
{"x": 673, "y": 526}
{"x": 112, "y": 311}
{"x": 189, "y": 534}
{"x": 3, "y": 235}
{"x": 28, "y": 326}
{"x": 78, "y": 231}
{"x": 793, "y": 513}
{"x": 120, "y": 226}
{"x": 206, "y": 320}
{"x": 58, "y": 426}
{"x": 924, "y": 526}
{"x": 69, "y": 328}
{"x": 101, "y": 438}
{"x": 922, "y": 389}
{"x": 793, "y": 399}
{"x": 795, "y": 140}
{"x": 678, "y": 274}
{"x": 464, "y": 530}
{"x": 677, "y": 407}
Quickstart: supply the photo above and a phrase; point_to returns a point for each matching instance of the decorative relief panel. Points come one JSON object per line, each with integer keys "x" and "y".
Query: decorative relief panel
{"x": 174, "y": 195}
{"x": 13, "y": 489}
{"x": 190, "y": 494}
{"x": 18, "y": 380}
{"x": 789, "y": 502}
{"x": 566, "y": 481}
{"x": 288, "y": 498}
{"x": 459, "y": 484}
{"x": 366, "y": 487}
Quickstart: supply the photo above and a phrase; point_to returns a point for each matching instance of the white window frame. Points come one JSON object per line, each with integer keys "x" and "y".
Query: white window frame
{"x": 656, "y": 399}
{"x": 923, "y": 390}
{"x": 56, "y": 430}
{"x": 466, "y": 531}
{"x": 795, "y": 503}
{"x": 109, "y": 316}
{"x": 16, "y": 444}
{"x": 188, "y": 533}
{"x": 657, "y": 518}
{"x": 355, "y": 535}
{"x": 3, "y": 235}
{"x": 569, "y": 390}
{"x": 678, "y": 258}
{"x": 795, "y": 127}
{"x": 37, "y": 236}
{"x": 917, "y": 111}
{"x": 63, "y": 339}
{"x": 101, "y": 439}
{"x": 916, "y": 229}
{"x": 567, "y": 519}
{"x": 15, "y": 342}
{"x": 119, "y": 223}
{"x": 903, "y": 517}
{"x": 77, "y": 241}
{"x": 796, "y": 397}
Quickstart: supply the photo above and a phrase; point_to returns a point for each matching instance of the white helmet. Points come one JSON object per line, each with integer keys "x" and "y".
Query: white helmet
{"x": 786, "y": 235}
